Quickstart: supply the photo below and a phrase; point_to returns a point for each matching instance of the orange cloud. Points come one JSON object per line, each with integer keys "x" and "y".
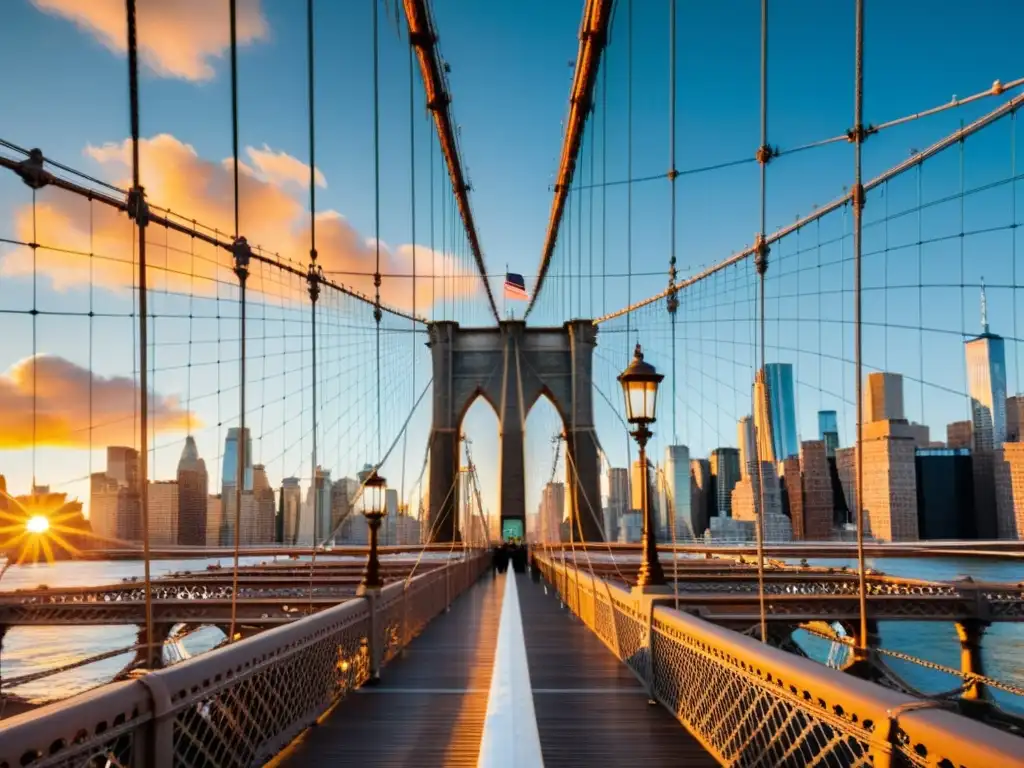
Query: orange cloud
{"x": 176, "y": 38}
{"x": 62, "y": 407}
{"x": 176, "y": 178}
{"x": 282, "y": 168}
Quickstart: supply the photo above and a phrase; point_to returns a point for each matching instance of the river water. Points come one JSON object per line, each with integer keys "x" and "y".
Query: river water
{"x": 30, "y": 649}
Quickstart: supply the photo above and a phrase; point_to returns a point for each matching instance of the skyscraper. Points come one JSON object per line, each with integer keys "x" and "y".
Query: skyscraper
{"x": 958, "y": 434}
{"x": 123, "y": 466}
{"x": 214, "y": 520}
{"x": 782, "y": 407}
{"x": 298, "y": 528}
{"x": 318, "y": 505}
{"x": 986, "y": 383}
{"x": 163, "y": 513}
{"x": 389, "y": 527}
{"x": 883, "y": 397}
{"x": 115, "y": 501}
{"x": 702, "y": 495}
{"x": 261, "y": 525}
{"x": 745, "y": 438}
{"x": 552, "y": 510}
{"x": 229, "y": 474}
{"x": 1014, "y": 411}
{"x": 725, "y": 471}
{"x": 764, "y": 442}
{"x": 618, "y": 501}
{"x": 193, "y": 488}
{"x": 677, "y": 507}
{"x": 828, "y": 431}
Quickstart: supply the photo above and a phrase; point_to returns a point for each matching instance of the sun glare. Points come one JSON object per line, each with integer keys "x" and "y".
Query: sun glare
{"x": 37, "y": 524}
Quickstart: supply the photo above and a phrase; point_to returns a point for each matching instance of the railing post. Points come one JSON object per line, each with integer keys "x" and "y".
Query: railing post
{"x": 372, "y": 597}
{"x": 448, "y": 586}
{"x": 155, "y": 745}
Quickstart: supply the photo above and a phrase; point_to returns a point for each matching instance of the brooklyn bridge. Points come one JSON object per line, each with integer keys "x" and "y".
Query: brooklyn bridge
{"x": 751, "y": 546}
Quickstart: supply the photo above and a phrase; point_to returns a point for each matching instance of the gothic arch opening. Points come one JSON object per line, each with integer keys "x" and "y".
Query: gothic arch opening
{"x": 477, "y": 517}
{"x": 548, "y": 498}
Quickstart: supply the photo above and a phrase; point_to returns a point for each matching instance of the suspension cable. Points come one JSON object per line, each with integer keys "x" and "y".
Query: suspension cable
{"x": 376, "y": 202}
{"x": 313, "y": 285}
{"x": 858, "y": 204}
{"x": 241, "y": 452}
{"x": 672, "y": 299}
{"x": 138, "y": 207}
{"x": 763, "y": 156}
{"x": 629, "y": 171}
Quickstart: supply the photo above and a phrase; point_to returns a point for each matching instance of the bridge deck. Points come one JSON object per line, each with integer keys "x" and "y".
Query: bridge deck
{"x": 431, "y": 705}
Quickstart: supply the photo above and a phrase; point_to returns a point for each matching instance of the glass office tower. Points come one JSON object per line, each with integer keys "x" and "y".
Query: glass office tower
{"x": 986, "y": 383}
{"x": 782, "y": 409}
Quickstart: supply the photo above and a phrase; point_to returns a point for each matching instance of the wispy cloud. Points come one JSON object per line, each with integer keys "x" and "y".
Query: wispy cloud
{"x": 176, "y": 38}
{"x": 176, "y": 178}
{"x": 282, "y": 168}
{"x": 50, "y": 401}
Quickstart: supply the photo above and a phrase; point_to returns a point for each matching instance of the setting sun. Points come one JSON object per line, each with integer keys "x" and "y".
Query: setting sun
{"x": 38, "y": 524}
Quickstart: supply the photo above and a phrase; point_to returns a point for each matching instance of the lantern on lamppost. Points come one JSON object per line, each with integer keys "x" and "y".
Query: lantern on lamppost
{"x": 640, "y": 388}
{"x": 374, "y": 509}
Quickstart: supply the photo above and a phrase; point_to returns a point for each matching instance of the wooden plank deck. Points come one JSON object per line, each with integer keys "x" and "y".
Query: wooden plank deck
{"x": 429, "y": 707}
{"x": 591, "y": 709}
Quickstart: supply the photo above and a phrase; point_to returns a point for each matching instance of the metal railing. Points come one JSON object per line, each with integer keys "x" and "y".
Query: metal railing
{"x": 241, "y": 704}
{"x": 751, "y": 704}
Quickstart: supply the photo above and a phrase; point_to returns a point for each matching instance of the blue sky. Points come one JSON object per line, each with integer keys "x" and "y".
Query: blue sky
{"x": 510, "y": 74}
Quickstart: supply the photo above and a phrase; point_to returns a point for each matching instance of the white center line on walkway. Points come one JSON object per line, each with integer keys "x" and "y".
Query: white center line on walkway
{"x": 510, "y": 737}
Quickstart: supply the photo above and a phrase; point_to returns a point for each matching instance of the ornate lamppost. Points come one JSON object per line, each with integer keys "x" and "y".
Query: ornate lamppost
{"x": 640, "y": 387}
{"x": 374, "y": 509}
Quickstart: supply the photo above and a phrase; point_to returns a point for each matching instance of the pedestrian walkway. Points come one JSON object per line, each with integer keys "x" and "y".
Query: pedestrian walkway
{"x": 591, "y": 709}
{"x": 461, "y": 695}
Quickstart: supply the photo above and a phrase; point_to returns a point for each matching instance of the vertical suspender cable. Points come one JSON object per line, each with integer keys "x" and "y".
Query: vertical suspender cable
{"x": 673, "y": 298}
{"x": 579, "y": 234}
{"x": 604, "y": 192}
{"x": 376, "y": 202}
{"x": 590, "y": 236}
{"x": 433, "y": 252}
{"x": 1013, "y": 247}
{"x": 629, "y": 173}
{"x": 313, "y": 282}
{"x": 412, "y": 204}
{"x": 858, "y": 205}
{"x": 137, "y": 206}
{"x": 763, "y": 156}
{"x": 242, "y": 448}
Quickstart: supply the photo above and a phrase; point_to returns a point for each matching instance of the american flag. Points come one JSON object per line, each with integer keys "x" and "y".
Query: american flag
{"x": 515, "y": 287}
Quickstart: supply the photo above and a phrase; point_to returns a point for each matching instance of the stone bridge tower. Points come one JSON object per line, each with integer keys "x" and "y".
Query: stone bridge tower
{"x": 511, "y": 366}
